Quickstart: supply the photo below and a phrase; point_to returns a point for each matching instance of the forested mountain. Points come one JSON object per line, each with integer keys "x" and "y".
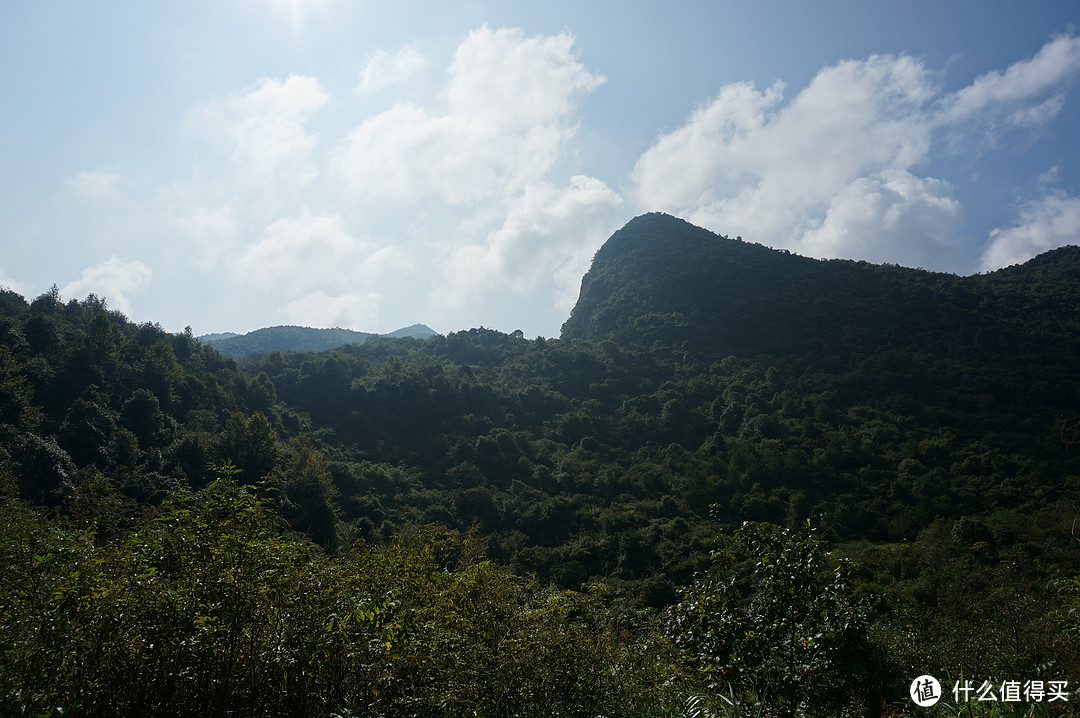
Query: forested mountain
{"x": 480, "y": 522}
{"x": 299, "y": 339}
{"x": 661, "y": 278}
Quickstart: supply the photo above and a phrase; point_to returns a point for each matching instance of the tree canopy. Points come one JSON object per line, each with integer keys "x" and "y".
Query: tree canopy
{"x": 641, "y": 485}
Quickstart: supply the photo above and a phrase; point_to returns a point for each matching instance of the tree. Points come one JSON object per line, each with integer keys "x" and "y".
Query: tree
{"x": 250, "y": 444}
{"x": 309, "y": 495}
{"x": 16, "y": 394}
{"x": 781, "y": 622}
{"x": 87, "y": 432}
{"x": 141, "y": 414}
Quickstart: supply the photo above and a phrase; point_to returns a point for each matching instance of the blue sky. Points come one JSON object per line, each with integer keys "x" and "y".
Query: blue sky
{"x": 236, "y": 164}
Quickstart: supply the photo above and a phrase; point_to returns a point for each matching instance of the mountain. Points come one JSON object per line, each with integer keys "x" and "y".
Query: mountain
{"x": 211, "y": 338}
{"x": 300, "y": 339}
{"x": 709, "y": 402}
{"x": 662, "y": 278}
{"x": 416, "y": 331}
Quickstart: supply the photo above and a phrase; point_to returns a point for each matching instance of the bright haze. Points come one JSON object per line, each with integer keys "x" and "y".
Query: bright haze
{"x": 234, "y": 164}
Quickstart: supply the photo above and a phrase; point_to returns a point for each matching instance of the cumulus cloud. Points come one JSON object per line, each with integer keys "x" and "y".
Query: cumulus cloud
{"x": 832, "y": 171}
{"x": 294, "y": 254}
{"x": 355, "y": 310}
{"x": 701, "y": 159}
{"x": 464, "y": 177}
{"x": 508, "y": 79}
{"x": 482, "y": 158}
{"x": 264, "y": 125}
{"x": 267, "y": 156}
{"x": 384, "y": 68}
{"x": 1045, "y": 223}
{"x": 14, "y": 285}
{"x": 113, "y": 280}
{"x": 746, "y": 164}
{"x": 94, "y": 184}
{"x": 891, "y": 217}
{"x": 505, "y": 118}
{"x": 550, "y": 234}
{"x": 313, "y": 264}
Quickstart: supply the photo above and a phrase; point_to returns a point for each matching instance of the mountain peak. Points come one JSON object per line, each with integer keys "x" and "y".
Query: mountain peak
{"x": 662, "y": 279}
{"x": 659, "y": 269}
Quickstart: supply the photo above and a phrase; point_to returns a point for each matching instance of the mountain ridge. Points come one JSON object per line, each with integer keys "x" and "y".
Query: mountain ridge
{"x": 660, "y": 277}
{"x": 285, "y": 338}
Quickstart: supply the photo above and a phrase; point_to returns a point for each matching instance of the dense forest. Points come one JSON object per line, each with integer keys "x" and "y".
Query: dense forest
{"x": 742, "y": 482}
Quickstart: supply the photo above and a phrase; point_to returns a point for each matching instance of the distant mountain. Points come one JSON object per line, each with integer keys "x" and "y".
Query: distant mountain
{"x": 211, "y": 338}
{"x": 300, "y": 339}
{"x": 416, "y": 331}
{"x": 660, "y": 278}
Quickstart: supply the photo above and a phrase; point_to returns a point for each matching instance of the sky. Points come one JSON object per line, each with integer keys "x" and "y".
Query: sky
{"x": 235, "y": 164}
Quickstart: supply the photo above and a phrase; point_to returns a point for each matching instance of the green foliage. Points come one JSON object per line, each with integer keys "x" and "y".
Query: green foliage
{"x": 775, "y": 617}
{"x": 929, "y": 420}
{"x": 284, "y": 339}
{"x": 300, "y": 339}
{"x": 251, "y": 444}
{"x": 308, "y": 497}
{"x": 206, "y": 607}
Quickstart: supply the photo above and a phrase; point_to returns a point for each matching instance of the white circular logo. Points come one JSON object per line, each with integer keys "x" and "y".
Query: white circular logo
{"x": 925, "y": 691}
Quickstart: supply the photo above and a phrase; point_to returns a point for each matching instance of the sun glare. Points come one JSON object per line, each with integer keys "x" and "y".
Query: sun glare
{"x": 296, "y": 12}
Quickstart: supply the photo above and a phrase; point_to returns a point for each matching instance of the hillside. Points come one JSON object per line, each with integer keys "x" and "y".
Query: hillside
{"x": 661, "y": 277}
{"x": 299, "y": 339}
{"x": 992, "y": 352}
{"x": 716, "y": 415}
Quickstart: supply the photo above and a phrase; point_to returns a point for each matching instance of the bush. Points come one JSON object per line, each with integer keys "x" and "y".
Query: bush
{"x": 775, "y": 619}
{"x": 211, "y": 608}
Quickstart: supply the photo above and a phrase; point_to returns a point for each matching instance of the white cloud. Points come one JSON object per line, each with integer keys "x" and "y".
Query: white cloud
{"x": 891, "y": 217}
{"x": 356, "y": 310}
{"x": 550, "y": 235}
{"x": 1033, "y": 116}
{"x": 1049, "y": 178}
{"x": 1026, "y": 81}
{"x": 701, "y": 159}
{"x": 14, "y": 285}
{"x": 295, "y": 254}
{"x": 94, "y": 184}
{"x": 481, "y": 160}
{"x": 265, "y": 127}
{"x": 511, "y": 80}
{"x": 1044, "y": 224}
{"x": 384, "y": 68}
{"x": 314, "y": 262}
{"x": 744, "y": 164}
{"x": 505, "y": 120}
{"x": 112, "y": 280}
{"x": 266, "y": 157}
{"x": 213, "y": 229}
{"x": 460, "y": 176}
{"x": 831, "y": 173}
{"x": 386, "y": 260}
